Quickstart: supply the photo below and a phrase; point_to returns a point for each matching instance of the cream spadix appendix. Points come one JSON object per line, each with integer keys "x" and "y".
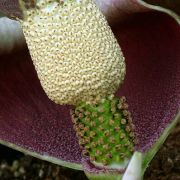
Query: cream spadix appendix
{"x": 74, "y": 51}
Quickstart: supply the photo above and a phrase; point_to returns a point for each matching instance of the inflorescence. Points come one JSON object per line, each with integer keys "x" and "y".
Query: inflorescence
{"x": 105, "y": 130}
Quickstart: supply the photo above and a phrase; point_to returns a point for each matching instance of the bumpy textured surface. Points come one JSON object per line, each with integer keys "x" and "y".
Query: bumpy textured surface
{"x": 74, "y": 51}
{"x": 105, "y": 131}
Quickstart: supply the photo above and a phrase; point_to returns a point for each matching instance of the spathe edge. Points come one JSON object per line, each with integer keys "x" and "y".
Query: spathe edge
{"x": 142, "y": 160}
{"x": 43, "y": 157}
{"x": 147, "y": 156}
{"x": 161, "y": 9}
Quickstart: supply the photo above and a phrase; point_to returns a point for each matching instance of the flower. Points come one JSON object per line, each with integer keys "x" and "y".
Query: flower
{"x": 150, "y": 41}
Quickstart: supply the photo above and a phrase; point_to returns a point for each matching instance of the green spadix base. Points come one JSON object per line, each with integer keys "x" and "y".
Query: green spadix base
{"x": 105, "y": 131}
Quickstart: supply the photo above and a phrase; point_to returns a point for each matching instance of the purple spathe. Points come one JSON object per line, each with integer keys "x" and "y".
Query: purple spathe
{"x": 151, "y": 45}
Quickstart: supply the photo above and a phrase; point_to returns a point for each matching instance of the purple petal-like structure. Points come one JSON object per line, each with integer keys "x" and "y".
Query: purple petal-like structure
{"x": 10, "y": 8}
{"x": 151, "y": 45}
{"x": 27, "y": 117}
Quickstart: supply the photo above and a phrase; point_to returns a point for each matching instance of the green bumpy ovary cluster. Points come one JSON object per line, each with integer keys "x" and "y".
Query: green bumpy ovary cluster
{"x": 105, "y": 131}
{"x": 74, "y": 51}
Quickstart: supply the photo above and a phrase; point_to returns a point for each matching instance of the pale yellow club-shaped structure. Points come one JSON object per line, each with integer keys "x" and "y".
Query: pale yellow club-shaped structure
{"x": 75, "y": 53}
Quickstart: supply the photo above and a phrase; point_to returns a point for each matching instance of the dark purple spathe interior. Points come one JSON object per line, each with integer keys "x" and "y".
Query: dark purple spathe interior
{"x": 151, "y": 45}
{"x": 10, "y": 8}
